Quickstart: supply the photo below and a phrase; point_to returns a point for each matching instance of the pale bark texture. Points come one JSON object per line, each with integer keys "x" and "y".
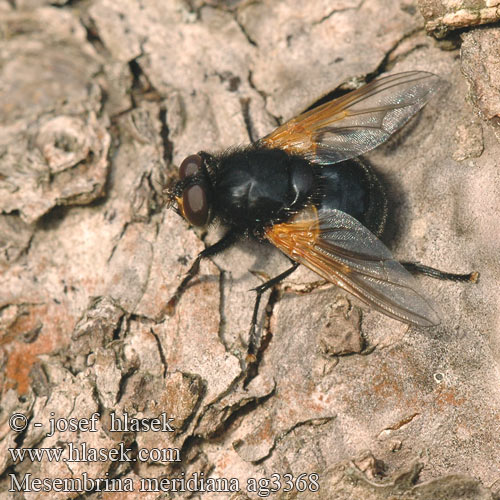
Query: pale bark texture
{"x": 100, "y": 101}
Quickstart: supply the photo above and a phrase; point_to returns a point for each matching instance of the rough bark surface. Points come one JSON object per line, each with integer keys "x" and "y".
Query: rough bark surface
{"x": 99, "y": 102}
{"x": 441, "y": 16}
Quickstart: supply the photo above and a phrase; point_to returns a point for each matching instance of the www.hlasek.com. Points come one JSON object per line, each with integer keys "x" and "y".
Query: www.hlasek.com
{"x": 83, "y": 453}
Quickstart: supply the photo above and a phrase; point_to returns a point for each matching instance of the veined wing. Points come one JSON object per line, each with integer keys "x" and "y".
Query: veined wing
{"x": 356, "y": 122}
{"x": 340, "y": 249}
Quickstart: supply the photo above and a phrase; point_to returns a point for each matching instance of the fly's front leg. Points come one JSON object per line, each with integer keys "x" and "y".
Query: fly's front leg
{"x": 415, "y": 267}
{"x": 225, "y": 242}
{"x": 252, "y": 346}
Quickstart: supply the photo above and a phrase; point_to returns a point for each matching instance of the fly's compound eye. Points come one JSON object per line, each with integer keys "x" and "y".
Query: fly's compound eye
{"x": 190, "y": 166}
{"x": 195, "y": 204}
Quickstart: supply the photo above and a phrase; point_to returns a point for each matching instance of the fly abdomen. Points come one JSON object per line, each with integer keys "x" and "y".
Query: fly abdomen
{"x": 353, "y": 187}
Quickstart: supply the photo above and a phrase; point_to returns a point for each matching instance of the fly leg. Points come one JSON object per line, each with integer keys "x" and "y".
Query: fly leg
{"x": 415, "y": 267}
{"x": 225, "y": 242}
{"x": 252, "y": 346}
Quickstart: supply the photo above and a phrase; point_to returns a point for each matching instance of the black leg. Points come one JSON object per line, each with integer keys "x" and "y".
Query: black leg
{"x": 225, "y": 242}
{"x": 415, "y": 267}
{"x": 252, "y": 346}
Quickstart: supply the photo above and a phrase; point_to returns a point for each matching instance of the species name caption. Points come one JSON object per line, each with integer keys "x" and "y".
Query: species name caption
{"x": 74, "y": 452}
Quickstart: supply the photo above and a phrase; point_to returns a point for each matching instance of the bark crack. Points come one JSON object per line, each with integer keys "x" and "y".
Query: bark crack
{"x": 250, "y": 40}
{"x": 160, "y": 352}
{"x": 309, "y": 422}
{"x": 337, "y": 11}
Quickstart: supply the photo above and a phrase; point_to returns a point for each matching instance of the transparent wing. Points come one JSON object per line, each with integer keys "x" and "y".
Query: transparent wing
{"x": 356, "y": 122}
{"x": 340, "y": 249}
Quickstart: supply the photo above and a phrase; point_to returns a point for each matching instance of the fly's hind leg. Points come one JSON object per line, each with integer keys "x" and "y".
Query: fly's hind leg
{"x": 225, "y": 242}
{"x": 415, "y": 267}
{"x": 252, "y": 346}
